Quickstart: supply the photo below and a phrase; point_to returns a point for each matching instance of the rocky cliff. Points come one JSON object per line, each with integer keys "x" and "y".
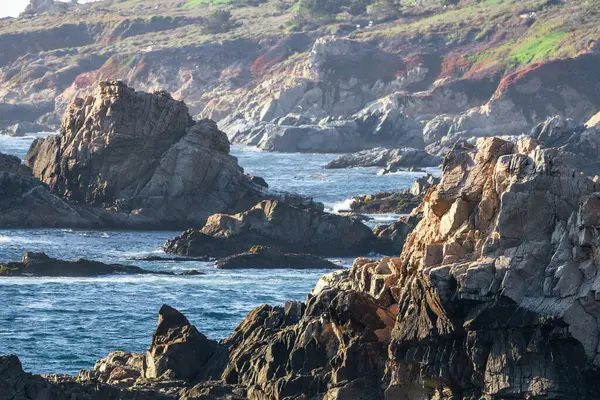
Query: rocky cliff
{"x": 494, "y": 296}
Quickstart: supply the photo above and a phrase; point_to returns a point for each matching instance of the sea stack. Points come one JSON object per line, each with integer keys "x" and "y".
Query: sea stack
{"x": 142, "y": 154}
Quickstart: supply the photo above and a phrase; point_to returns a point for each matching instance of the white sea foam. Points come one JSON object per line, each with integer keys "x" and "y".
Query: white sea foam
{"x": 5, "y": 239}
{"x": 340, "y": 205}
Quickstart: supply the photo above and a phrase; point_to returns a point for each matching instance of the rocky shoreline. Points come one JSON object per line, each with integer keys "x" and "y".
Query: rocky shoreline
{"x": 487, "y": 288}
{"x": 482, "y": 303}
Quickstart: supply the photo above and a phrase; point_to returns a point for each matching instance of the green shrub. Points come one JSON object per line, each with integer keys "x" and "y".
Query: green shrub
{"x": 218, "y": 21}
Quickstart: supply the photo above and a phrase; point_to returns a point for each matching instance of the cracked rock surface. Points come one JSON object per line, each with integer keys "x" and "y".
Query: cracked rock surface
{"x": 142, "y": 155}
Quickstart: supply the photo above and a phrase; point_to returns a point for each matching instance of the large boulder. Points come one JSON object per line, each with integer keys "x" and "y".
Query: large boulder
{"x": 279, "y": 225}
{"x": 179, "y": 350}
{"x": 12, "y": 164}
{"x": 27, "y": 202}
{"x": 142, "y": 154}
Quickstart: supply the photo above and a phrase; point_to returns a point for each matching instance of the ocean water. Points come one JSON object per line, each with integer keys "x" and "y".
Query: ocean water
{"x": 66, "y": 324}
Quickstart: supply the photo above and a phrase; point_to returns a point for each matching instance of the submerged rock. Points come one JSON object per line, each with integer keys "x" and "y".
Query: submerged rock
{"x": 260, "y": 257}
{"x": 142, "y": 155}
{"x": 278, "y": 225}
{"x": 40, "y": 264}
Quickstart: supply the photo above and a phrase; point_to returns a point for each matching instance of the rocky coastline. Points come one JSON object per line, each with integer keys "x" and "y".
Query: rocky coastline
{"x": 486, "y": 288}
{"x": 481, "y": 303}
{"x": 129, "y": 160}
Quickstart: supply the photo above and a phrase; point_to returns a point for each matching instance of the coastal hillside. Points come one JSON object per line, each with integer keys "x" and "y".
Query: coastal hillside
{"x": 314, "y": 75}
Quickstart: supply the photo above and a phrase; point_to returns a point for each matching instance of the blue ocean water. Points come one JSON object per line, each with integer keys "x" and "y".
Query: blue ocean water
{"x": 66, "y": 324}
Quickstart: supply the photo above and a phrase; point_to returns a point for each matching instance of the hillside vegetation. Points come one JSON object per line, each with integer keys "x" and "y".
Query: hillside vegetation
{"x": 233, "y": 56}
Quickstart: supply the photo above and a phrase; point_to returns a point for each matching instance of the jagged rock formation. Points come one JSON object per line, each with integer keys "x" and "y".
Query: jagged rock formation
{"x": 141, "y": 154}
{"x": 275, "y": 224}
{"x": 386, "y": 158}
{"x": 494, "y": 296}
{"x": 580, "y": 143}
{"x": 17, "y": 384}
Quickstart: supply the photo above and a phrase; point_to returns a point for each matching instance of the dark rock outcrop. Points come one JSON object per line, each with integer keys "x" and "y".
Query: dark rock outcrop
{"x": 402, "y": 202}
{"x": 12, "y": 165}
{"x": 27, "y": 202}
{"x": 581, "y": 144}
{"x": 391, "y": 237}
{"x": 386, "y": 158}
{"x": 142, "y": 155}
{"x": 179, "y": 351}
{"x": 39, "y": 264}
{"x": 493, "y": 297}
{"x": 278, "y": 225}
{"x": 16, "y": 384}
{"x": 268, "y": 258}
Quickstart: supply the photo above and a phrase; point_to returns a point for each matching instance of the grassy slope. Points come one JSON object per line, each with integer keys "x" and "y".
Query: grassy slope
{"x": 476, "y": 36}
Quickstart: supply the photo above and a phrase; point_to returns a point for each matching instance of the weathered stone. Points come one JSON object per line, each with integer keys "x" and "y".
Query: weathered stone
{"x": 142, "y": 154}
{"x": 387, "y": 158}
{"x": 179, "y": 351}
{"x": 278, "y": 225}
